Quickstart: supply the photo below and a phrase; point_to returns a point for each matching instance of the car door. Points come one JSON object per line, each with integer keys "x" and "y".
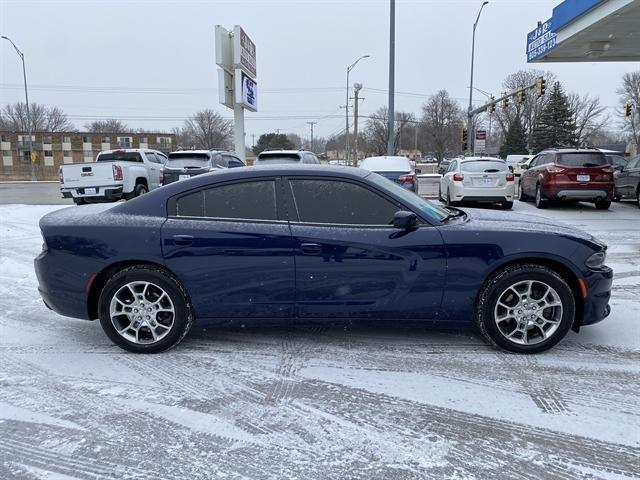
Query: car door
{"x": 154, "y": 166}
{"x": 231, "y": 247}
{"x": 529, "y": 176}
{"x": 352, "y": 263}
{"x": 627, "y": 180}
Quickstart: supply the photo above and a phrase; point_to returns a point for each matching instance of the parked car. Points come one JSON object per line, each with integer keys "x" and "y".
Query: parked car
{"x": 397, "y": 169}
{"x": 184, "y": 164}
{"x": 575, "y": 174}
{"x": 269, "y": 157}
{"x": 627, "y": 182}
{"x": 618, "y": 162}
{"x": 115, "y": 174}
{"x": 444, "y": 165}
{"x": 315, "y": 243}
{"x": 479, "y": 180}
{"x": 515, "y": 162}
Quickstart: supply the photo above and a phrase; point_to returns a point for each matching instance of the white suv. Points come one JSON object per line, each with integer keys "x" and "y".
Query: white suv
{"x": 269, "y": 157}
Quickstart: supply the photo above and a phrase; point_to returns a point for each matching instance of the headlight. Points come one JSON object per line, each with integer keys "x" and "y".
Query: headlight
{"x": 596, "y": 260}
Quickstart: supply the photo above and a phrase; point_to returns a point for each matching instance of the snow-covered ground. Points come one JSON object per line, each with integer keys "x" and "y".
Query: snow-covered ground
{"x": 317, "y": 402}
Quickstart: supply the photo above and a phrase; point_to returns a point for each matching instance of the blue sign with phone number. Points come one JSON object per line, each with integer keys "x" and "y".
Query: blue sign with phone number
{"x": 541, "y": 41}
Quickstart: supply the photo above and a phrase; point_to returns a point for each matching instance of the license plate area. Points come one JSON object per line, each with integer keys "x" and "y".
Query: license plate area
{"x": 184, "y": 177}
{"x": 90, "y": 191}
{"x": 483, "y": 182}
{"x": 583, "y": 178}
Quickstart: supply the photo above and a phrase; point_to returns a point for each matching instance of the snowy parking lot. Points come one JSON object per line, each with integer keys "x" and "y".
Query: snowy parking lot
{"x": 317, "y": 401}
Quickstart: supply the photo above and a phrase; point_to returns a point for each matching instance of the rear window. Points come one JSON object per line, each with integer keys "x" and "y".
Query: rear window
{"x": 581, "y": 159}
{"x": 119, "y": 157}
{"x": 483, "y": 167}
{"x": 183, "y": 160}
{"x": 278, "y": 158}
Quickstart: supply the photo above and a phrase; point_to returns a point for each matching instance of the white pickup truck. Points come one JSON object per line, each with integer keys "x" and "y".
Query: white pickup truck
{"x": 114, "y": 175}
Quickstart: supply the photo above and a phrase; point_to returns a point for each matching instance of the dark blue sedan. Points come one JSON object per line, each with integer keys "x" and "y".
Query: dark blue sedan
{"x": 311, "y": 243}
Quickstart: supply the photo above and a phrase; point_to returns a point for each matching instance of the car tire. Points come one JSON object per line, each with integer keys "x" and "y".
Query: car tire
{"x": 638, "y": 196}
{"x": 79, "y": 201}
{"x": 521, "y": 195}
{"x": 448, "y": 201}
{"x": 603, "y": 204}
{"x": 509, "y": 313}
{"x": 506, "y": 205}
{"x": 140, "y": 189}
{"x": 168, "y": 316}
{"x": 541, "y": 202}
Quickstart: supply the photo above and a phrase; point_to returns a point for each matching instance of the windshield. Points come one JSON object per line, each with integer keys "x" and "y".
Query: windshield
{"x": 119, "y": 157}
{"x": 581, "y": 159}
{"x": 418, "y": 204}
{"x": 483, "y": 167}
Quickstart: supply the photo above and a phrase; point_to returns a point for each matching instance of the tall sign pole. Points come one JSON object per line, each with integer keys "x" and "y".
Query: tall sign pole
{"x": 237, "y": 84}
{"x": 392, "y": 62}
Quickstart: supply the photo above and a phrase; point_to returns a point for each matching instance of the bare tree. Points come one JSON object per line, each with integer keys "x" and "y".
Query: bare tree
{"x": 441, "y": 122}
{"x": 13, "y": 117}
{"x": 588, "y": 114}
{"x": 295, "y": 139}
{"x": 376, "y": 132}
{"x": 110, "y": 125}
{"x": 206, "y": 129}
{"x": 630, "y": 92}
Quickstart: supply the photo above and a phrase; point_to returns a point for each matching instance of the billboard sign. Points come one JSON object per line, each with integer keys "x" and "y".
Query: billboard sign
{"x": 246, "y": 91}
{"x": 541, "y": 41}
{"x": 244, "y": 52}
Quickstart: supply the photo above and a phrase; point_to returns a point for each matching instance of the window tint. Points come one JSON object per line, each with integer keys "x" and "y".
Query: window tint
{"x": 331, "y": 201}
{"x": 452, "y": 166}
{"x": 234, "y": 162}
{"x": 220, "y": 161}
{"x": 118, "y": 156}
{"x": 250, "y": 200}
{"x": 310, "y": 159}
{"x": 581, "y": 159}
{"x": 483, "y": 166}
{"x": 152, "y": 157}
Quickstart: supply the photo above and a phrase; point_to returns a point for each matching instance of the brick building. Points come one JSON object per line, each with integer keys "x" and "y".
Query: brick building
{"x": 55, "y": 149}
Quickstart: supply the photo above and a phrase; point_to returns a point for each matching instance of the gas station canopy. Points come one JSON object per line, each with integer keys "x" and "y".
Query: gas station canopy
{"x": 588, "y": 31}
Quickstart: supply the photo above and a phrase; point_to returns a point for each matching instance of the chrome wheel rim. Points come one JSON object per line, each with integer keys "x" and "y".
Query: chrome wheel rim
{"x": 142, "y": 312}
{"x": 528, "y": 312}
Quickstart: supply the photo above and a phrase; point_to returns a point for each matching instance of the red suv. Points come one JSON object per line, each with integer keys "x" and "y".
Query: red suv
{"x": 578, "y": 174}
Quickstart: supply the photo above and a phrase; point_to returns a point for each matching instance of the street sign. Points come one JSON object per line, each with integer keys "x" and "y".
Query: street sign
{"x": 541, "y": 41}
{"x": 246, "y": 91}
{"x": 34, "y": 156}
{"x": 479, "y": 146}
{"x": 244, "y": 52}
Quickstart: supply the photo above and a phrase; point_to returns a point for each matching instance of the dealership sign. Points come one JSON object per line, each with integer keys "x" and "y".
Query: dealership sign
{"x": 541, "y": 41}
{"x": 246, "y": 91}
{"x": 481, "y": 142}
{"x": 244, "y": 52}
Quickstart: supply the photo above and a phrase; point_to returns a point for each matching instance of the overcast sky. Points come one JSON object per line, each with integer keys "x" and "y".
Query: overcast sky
{"x": 152, "y": 63}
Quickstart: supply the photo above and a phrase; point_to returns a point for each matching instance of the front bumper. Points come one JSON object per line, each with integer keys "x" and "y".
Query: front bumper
{"x": 596, "y": 304}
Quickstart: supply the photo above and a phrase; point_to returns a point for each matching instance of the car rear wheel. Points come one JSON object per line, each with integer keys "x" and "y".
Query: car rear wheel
{"x": 79, "y": 201}
{"x": 541, "y": 202}
{"x": 449, "y": 201}
{"x": 603, "y": 204}
{"x": 525, "y": 308}
{"x": 143, "y": 309}
{"x": 506, "y": 205}
{"x": 638, "y": 197}
{"x": 521, "y": 195}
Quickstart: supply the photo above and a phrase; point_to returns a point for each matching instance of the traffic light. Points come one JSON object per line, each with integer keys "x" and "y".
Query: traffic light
{"x": 463, "y": 135}
{"x": 541, "y": 86}
{"x": 492, "y": 105}
{"x": 627, "y": 109}
{"x": 521, "y": 95}
{"x": 505, "y": 101}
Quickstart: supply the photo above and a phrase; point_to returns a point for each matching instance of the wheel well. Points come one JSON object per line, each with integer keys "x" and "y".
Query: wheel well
{"x": 565, "y": 272}
{"x": 103, "y": 277}
{"x": 143, "y": 181}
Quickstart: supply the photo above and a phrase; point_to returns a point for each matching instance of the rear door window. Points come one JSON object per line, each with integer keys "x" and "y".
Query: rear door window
{"x": 581, "y": 159}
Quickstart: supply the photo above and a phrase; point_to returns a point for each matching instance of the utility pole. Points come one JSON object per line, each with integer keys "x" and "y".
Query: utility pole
{"x": 311, "y": 124}
{"x": 253, "y": 139}
{"x": 392, "y": 60}
{"x": 356, "y": 89}
{"x": 415, "y": 140}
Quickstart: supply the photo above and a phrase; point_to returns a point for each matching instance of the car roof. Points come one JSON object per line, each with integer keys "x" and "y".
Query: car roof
{"x": 286, "y": 151}
{"x": 129, "y": 150}
{"x": 572, "y": 150}
{"x": 481, "y": 159}
{"x": 386, "y": 163}
{"x": 193, "y": 151}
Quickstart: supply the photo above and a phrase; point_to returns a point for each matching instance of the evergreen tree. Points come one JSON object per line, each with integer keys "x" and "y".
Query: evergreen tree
{"x": 272, "y": 141}
{"x": 556, "y": 125}
{"x": 516, "y": 141}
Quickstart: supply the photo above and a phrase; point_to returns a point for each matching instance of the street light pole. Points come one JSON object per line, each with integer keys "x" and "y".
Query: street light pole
{"x": 471, "y": 135}
{"x": 26, "y": 96}
{"x": 346, "y": 109}
{"x": 392, "y": 63}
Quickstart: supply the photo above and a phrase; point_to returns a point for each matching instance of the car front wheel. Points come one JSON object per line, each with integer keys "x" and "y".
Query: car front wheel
{"x": 143, "y": 309}
{"x": 525, "y": 308}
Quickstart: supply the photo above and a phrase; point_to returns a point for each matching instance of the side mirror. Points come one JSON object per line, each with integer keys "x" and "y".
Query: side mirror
{"x": 525, "y": 167}
{"x": 405, "y": 220}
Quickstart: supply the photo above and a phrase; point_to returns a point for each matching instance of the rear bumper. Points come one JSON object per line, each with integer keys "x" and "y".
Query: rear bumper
{"x": 577, "y": 191}
{"x": 596, "y": 305}
{"x": 582, "y": 194}
{"x": 108, "y": 192}
{"x": 487, "y": 195}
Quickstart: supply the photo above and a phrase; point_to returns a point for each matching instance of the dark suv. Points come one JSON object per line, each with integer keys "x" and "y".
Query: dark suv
{"x": 577, "y": 174}
{"x": 628, "y": 181}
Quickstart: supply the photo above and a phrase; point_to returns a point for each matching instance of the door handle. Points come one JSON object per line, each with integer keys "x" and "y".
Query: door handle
{"x": 311, "y": 249}
{"x": 183, "y": 240}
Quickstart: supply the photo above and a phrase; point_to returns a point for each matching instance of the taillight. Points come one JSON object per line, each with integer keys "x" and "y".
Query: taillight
{"x": 117, "y": 172}
{"x": 458, "y": 177}
{"x": 555, "y": 169}
{"x": 407, "y": 178}
{"x": 510, "y": 177}
{"x": 61, "y": 175}
{"x": 161, "y": 176}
